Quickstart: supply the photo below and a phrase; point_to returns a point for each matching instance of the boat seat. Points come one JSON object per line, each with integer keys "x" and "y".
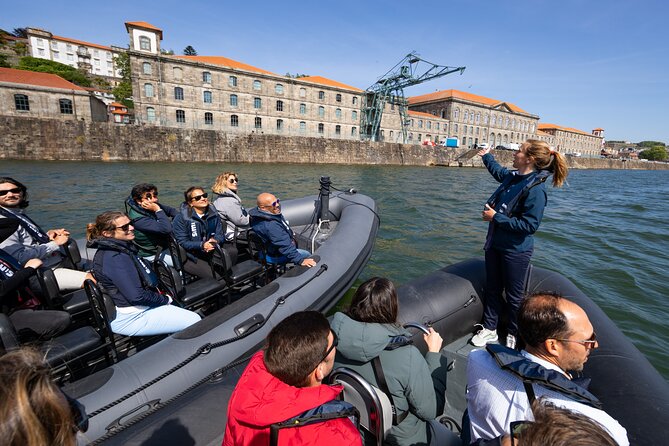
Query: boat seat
{"x": 71, "y": 345}
{"x": 9, "y": 340}
{"x": 238, "y": 273}
{"x": 75, "y": 302}
{"x": 376, "y": 413}
{"x": 190, "y": 295}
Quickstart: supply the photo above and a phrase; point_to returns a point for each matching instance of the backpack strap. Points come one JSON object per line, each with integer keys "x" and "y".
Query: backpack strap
{"x": 383, "y": 385}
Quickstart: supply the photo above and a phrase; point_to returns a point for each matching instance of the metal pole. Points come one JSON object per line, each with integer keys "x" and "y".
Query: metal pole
{"x": 324, "y": 198}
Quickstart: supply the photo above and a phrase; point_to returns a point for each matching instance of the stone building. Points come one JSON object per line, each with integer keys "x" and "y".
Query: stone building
{"x": 472, "y": 119}
{"x": 44, "y": 95}
{"x": 96, "y": 59}
{"x": 573, "y": 141}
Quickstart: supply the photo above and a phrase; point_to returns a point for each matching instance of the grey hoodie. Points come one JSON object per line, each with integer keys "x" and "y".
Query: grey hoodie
{"x": 232, "y": 213}
{"x": 417, "y": 384}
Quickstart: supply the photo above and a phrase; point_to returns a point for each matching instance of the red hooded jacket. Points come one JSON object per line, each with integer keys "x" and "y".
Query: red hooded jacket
{"x": 260, "y": 399}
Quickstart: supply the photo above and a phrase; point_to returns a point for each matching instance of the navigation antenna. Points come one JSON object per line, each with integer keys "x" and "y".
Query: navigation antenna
{"x": 411, "y": 70}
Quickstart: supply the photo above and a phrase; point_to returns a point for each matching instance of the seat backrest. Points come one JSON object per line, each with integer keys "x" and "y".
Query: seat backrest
{"x": 170, "y": 279}
{"x": 376, "y": 414}
{"x": 221, "y": 263}
{"x": 104, "y": 311}
{"x": 8, "y": 338}
{"x": 256, "y": 246}
{"x": 72, "y": 251}
{"x": 49, "y": 286}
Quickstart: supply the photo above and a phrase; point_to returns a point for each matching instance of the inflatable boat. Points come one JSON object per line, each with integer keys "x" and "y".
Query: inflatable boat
{"x": 449, "y": 299}
{"x": 338, "y": 228}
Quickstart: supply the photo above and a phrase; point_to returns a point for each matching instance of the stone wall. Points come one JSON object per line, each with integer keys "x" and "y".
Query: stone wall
{"x": 48, "y": 139}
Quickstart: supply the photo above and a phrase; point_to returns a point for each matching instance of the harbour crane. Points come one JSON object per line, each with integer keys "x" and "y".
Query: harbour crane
{"x": 389, "y": 89}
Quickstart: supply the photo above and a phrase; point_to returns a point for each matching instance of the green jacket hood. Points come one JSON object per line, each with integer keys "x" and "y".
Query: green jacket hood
{"x": 362, "y": 341}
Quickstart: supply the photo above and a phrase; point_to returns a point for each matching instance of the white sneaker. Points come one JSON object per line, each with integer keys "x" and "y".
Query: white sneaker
{"x": 511, "y": 341}
{"x": 483, "y": 337}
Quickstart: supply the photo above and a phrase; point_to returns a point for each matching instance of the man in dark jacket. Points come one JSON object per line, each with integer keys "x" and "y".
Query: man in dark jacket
{"x": 268, "y": 223}
{"x": 283, "y": 383}
{"x": 152, "y": 222}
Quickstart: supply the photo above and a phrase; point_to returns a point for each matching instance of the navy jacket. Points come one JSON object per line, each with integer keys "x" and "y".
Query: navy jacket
{"x": 274, "y": 231}
{"x": 511, "y": 230}
{"x": 191, "y": 230}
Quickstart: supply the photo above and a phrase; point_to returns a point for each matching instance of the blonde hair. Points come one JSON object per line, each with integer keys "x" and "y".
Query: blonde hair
{"x": 33, "y": 410}
{"x": 546, "y": 159}
{"x": 221, "y": 182}
{"x": 103, "y": 222}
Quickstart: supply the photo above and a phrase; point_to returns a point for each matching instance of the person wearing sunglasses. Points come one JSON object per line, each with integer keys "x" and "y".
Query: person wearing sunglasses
{"x": 229, "y": 205}
{"x": 283, "y": 383}
{"x": 152, "y": 222}
{"x": 503, "y": 383}
{"x": 142, "y": 307}
{"x": 30, "y": 241}
{"x": 273, "y": 229}
{"x": 373, "y": 343}
{"x": 198, "y": 229}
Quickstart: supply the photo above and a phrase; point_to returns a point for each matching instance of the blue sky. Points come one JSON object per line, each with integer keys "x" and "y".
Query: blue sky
{"x": 576, "y": 63}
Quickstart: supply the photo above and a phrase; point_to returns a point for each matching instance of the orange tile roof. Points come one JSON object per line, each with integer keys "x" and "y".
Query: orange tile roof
{"x": 145, "y": 26}
{"x": 119, "y": 112}
{"x": 14, "y": 76}
{"x": 539, "y": 132}
{"x": 325, "y": 81}
{"x": 426, "y": 115}
{"x": 558, "y": 127}
{"x": 449, "y": 94}
{"x": 81, "y": 42}
{"x": 600, "y": 129}
{"x": 224, "y": 61}
{"x": 116, "y": 104}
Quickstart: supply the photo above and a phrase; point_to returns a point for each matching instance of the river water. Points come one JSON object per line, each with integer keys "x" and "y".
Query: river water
{"x": 605, "y": 230}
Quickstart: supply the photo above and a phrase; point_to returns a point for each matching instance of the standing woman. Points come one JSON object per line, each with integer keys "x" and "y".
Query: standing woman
{"x": 229, "y": 205}
{"x": 141, "y": 309}
{"x": 514, "y": 212}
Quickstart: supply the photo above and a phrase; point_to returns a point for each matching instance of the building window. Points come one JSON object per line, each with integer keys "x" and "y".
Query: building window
{"x": 455, "y": 128}
{"x": 321, "y": 128}
{"x": 321, "y": 95}
{"x": 420, "y": 123}
{"x": 338, "y": 113}
{"x": 464, "y": 129}
{"x": 478, "y": 118}
{"x": 233, "y": 100}
{"x": 178, "y": 93}
{"x": 338, "y": 97}
{"x": 279, "y": 124}
{"x": 209, "y": 118}
{"x": 303, "y": 92}
{"x": 177, "y": 73}
{"x": 410, "y": 136}
{"x": 151, "y": 114}
{"x": 354, "y": 131}
{"x": 493, "y": 122}
{"x": 337, "y": 130}
{"x": 355, "y": 100}
{"x": 391, "y": 135}
{"x": 56, "y": 55}
{"x": 456, "y": 113}
{"x": 303, "y": 126}
{"x": 257, "y": 102}
{"x": 279, "y": 105}
{"x": 148, "y": 90}
{"x": 278, "y": 89}
{"x": 207, "y": 97}
{"x": 466, "y": 115}
{"x": 70, "y": 57}
{"x": 21, "y": 102}
{"x": 436, "y": 124}
{"x": 321, "y": 111}
{"x": 354, "y": 115}
{"x": 146, "y": 68}
{"x": 65, "y": 106}
{"x": 234, "y": 121}
{"x": 181, "y": 116}
{"x": 232, "y": 81}
{"x": 144, "y": 43}
{"x": 429, "y": 124}
{"x": 258, "y": 122}
{"x": 257, "y": 85}
{"x": 40, "y": 52}
{"x": 206, "y": 77}
{"x": 303, "y": 109}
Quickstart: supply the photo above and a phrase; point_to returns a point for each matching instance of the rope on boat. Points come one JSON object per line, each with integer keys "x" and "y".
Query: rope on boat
{"x": 202, "y": 350}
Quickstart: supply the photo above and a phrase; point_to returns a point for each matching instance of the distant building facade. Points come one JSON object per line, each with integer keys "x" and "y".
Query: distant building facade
{"x": 573, "y": 141}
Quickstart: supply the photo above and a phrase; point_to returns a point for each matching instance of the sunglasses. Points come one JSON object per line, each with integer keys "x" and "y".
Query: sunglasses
{"x": 516, "y": 428}
{"x": 233, "y": 180}
{"x": 588, "y": 343}
{"x": 335, "y": 341}
{"x": 16, "y": 190}
{"x": 151, "y": 195}
{"x": 199, "y": 197}
{"x": 276, "y": 203}
{"x": 125, "y": 227}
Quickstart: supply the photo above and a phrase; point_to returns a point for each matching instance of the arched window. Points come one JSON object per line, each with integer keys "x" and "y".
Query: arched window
{"x": 278, "y": 89}
{"x": 206, "y": 77}
{"x": 209, "y": 118}
{"x": 146, "y": 68}
{"x": 303, "y": 92}
{"x": 233, "y": 100}
{"x": 232, "y": 81}
{"x": 321, "y": 95}
{"x": 303, "y": 126}
{"x": 151, "y": 114}
{"x": 354, "y": 116}
{"x": 207, "y": 97}
{"x": 321, "y": 111}
{"x": 257, "y": 103}
{"x": 466, "y": 115}
{"x": 181, "y": 116}
{"x": 354, "y": 131}
{"x": 148, "y": 90}
{"x": 65, "y": 106}
{"x": 234, "y": 121}
{"x": 355, "y": 100}
{"x": 338, "y": 113}
{"x": 258, "y": 122}
{"x": 338, "y": 97}
{"x": 456, "y": 113}
{"x": 279, "y": 105}
{"x": 337, "y": 130}
{"x": 144, "y": 43}
{"x": 303, "y": 109}
{"x": 321, "y": 128}
{"x": 429, "y": 124}
{"x": 279, "y": 124}
{"x": 257, "y": 85}
{"x": 177, "y": 73}
{"x": 178, "y": 93}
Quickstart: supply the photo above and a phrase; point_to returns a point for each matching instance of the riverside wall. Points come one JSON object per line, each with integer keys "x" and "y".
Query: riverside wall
{"x": 49, "y": 139}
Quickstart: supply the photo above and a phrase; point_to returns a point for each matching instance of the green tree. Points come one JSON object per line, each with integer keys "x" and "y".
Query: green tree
{"x": 190, "y": 51}
{"x": 3, "y": 61}
{"x": 657, "y": 153}
{"x": 123, "y": 91}
{"x": 169, "y": 52}
{"x": 20, "y": 32}
{"x": 48, "y": 66}
{"x": 650, "y": 144}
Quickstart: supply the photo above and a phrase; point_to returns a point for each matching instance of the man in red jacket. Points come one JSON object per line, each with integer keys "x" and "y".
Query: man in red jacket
{"x": 283, "y": 383}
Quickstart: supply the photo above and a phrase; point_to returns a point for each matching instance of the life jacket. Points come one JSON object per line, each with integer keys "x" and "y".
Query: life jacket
{"x": 147, "y": 276}
{"x": 531, "y": 373}
{"x": 26, "y": 223}
{"x": 513, "y": 202}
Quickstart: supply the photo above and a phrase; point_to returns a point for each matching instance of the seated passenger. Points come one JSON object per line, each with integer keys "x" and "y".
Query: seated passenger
{"x": 229, "y": 205}
{"x": 152, "y": 222}
{"x": 141, "y": 308}
{"x": 416, "y": 384}
{"x": 19, "y": 302}
{"x": 559, "y": 338}
{"x": 29, "y": 241}
{"x": 198, "y": 229}
{"x": 284, "y": 382}
{"x": 268, "y": 223}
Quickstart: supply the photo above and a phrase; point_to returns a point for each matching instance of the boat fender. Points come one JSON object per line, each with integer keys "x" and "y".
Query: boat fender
{"x": 532, "y": 373}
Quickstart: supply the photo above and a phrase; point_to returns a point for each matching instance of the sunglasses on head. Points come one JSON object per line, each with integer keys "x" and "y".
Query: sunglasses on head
{"x": 16, "y": 190}
{"x": 199, "y": 197}
{"x": 233, "y": 180}
{"x": 125, "y": 227}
